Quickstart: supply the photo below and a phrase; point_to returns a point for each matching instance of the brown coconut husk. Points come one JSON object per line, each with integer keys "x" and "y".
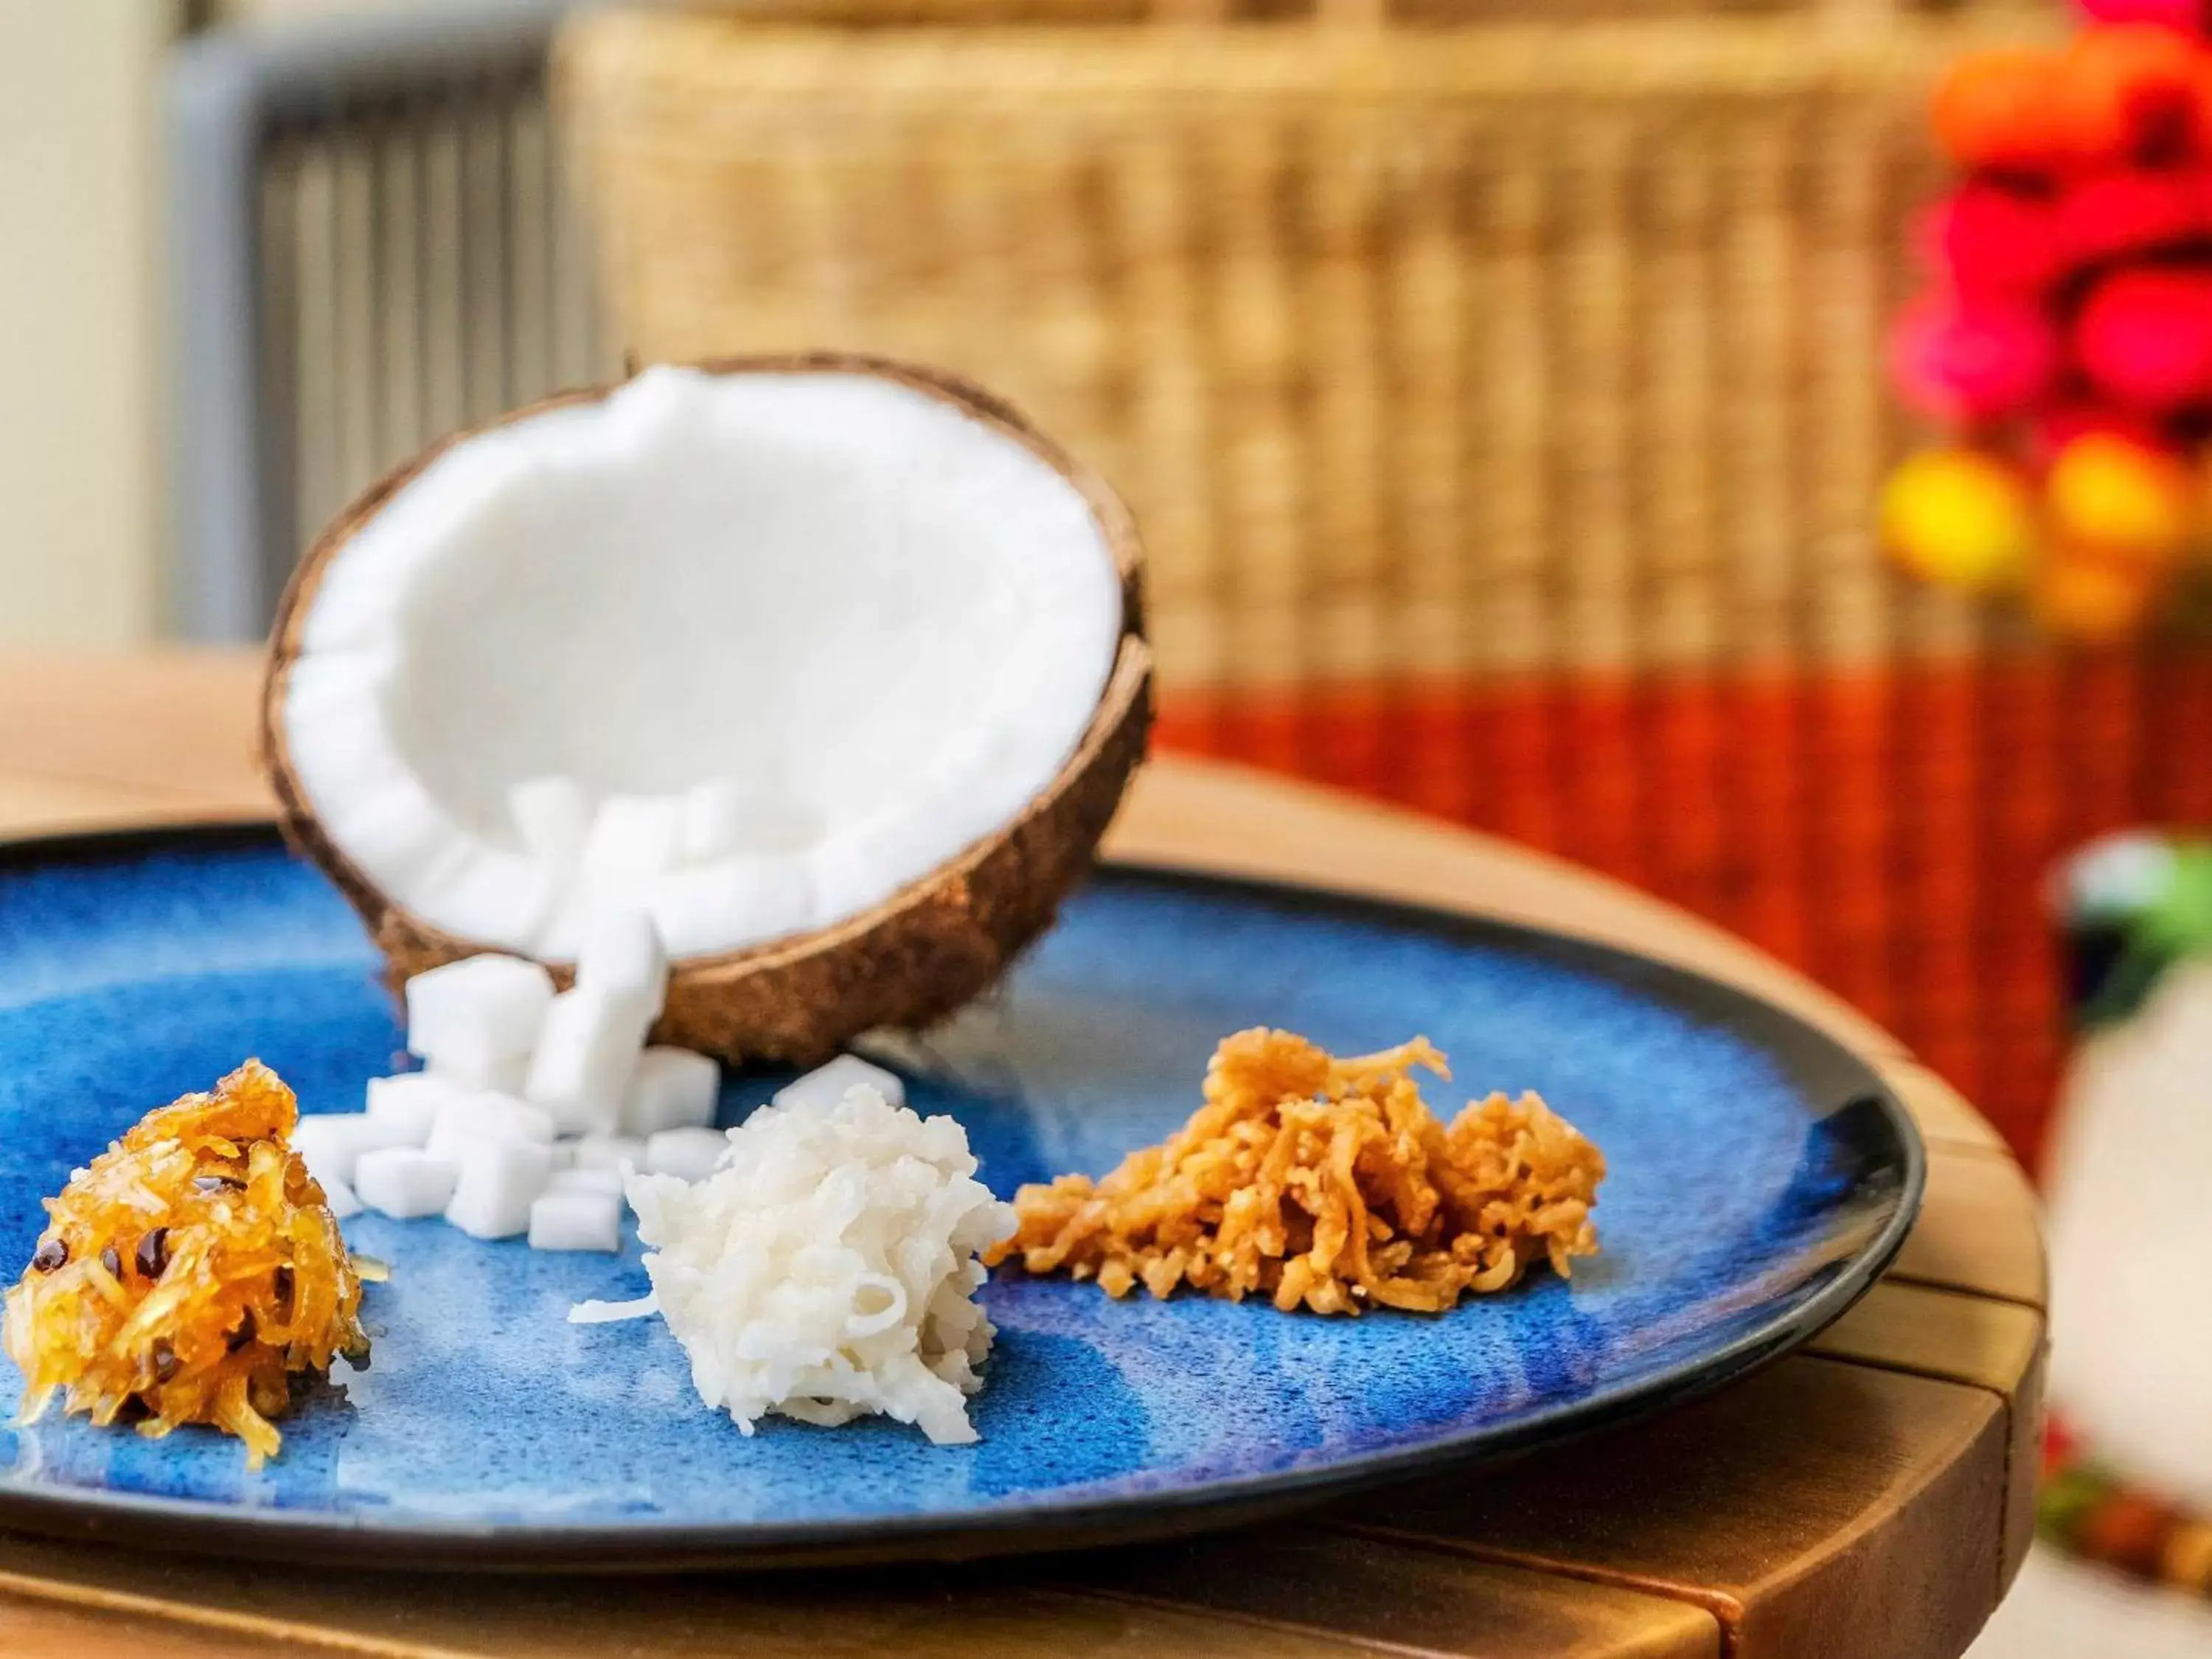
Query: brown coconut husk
{"x": 918, "y": 956}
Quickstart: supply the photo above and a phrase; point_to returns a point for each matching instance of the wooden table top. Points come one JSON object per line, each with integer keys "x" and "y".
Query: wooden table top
{"x": 1867, "y": 1496}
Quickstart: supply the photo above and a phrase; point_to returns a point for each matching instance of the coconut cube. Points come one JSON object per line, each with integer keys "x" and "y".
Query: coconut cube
{"x": 551, "y": 816}
{"x": 611, "y": 1151}
{"x": 339, "y": 1198}
{"x": 477, "y": 1118}
{"x": 825, "y": 1085}
{"x": 671, "y": 1089}
{"x": 405, "y": 1182}
{"x": 581, "y": 1072}
{"x": 589, "y": 1180}
{"x": 499, "y": 1181}
{"x": 714, "y": 820}
{"x": 687, "y": 1154}
{"x": 331, "y": 1143}
{"x": 621, "y": 957}
{"x": 410, "y": 1102}
{"x": 498, "y": 1074}
{"x": 576, "y": 1218}
{"x": 325, "y": 1144}
{"x": 632, "y": 839}
{"x": 466, "y": 1017}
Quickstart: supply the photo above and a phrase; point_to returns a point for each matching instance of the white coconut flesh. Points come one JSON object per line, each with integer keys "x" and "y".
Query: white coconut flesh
{"x": 797, "y": 639}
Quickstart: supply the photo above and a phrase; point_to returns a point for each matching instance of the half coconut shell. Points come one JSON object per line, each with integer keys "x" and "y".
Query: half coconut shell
{"x": 929, "y": 948}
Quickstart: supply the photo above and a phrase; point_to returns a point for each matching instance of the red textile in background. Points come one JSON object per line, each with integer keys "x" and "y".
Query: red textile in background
{"x": 1889, "y": 834}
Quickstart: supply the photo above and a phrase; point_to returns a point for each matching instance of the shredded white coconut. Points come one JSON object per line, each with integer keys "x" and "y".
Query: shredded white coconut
{"x": 612, "y": 1313}
{"x": 828, "y": 1268}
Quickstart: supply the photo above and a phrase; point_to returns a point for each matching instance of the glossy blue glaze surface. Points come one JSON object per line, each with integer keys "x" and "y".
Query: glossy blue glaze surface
{"x": 1742, "y": 1209}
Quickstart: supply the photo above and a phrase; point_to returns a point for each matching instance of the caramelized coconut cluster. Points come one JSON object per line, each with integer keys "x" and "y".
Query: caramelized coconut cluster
{"x": 187, "y": 1273}
{"x": 1327, "y": 1184}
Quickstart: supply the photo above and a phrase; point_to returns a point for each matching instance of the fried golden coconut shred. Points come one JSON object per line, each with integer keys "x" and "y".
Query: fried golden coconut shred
{"x": 1326, "y": 1184}
{"x": 188, "y": 1273}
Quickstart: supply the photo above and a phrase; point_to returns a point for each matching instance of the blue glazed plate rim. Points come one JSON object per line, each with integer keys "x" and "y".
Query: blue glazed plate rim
{"x": 1896, "y": 1177}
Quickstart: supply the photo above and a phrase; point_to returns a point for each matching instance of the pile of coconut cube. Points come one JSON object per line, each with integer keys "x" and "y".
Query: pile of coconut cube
{"x": 531, "y": 1104}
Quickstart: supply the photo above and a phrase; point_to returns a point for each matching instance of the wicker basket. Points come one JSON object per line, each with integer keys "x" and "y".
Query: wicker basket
{"x": 878, "y": 13}
{"x": 1503, "y": 409}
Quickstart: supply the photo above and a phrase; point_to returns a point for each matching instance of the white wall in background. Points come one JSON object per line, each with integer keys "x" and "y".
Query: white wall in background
{"x": 2061, "y": 1609}
{"x": 78, "y": 415}
{"x": 251, "y": 11}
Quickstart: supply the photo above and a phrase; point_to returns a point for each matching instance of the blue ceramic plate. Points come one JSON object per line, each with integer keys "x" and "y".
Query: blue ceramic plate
{"x": 1760, "y": 1178}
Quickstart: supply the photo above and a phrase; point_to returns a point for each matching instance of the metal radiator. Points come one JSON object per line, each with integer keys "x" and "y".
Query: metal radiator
{"x": 371, "y": 243}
